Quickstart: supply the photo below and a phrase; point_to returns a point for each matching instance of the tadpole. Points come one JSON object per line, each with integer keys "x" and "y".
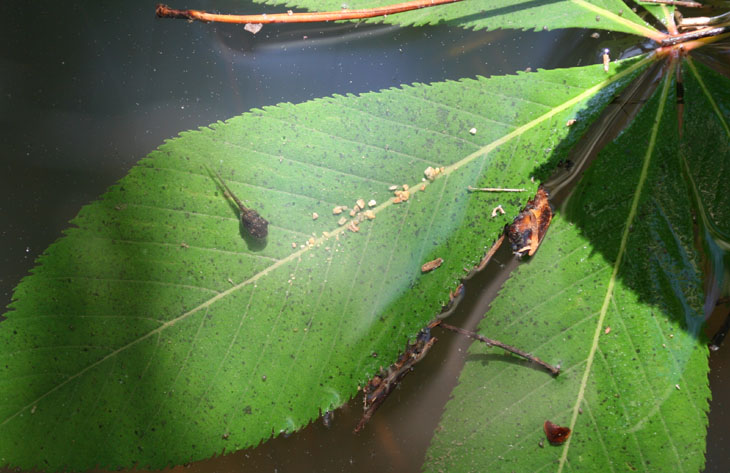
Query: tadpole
{"x": 254, "y": 223}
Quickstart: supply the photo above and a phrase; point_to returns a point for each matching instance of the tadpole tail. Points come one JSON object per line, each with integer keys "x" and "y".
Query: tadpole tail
{"x": 228, "y": 190}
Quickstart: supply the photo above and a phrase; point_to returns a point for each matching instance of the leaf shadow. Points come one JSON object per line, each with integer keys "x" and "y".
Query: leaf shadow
{"x": 660, "y": 260}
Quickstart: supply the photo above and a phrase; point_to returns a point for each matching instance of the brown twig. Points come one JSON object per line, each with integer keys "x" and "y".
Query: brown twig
{"x": 554, "y": 370}
{"x": 493, "y": 189}
{"x": 163, "y": 11}
{"x": 693, "y": 35}
{"x": 699, "y": 21}
{"x": 677, "y": 3}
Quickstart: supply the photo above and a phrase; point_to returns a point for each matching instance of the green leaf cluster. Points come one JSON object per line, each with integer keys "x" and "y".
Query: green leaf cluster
{"x": 156, "y": 331}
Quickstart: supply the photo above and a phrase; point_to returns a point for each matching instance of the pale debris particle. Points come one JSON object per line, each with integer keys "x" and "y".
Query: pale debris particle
{"x": 342, "y": 221}
{"x": 326, "y": 234}
{"x": 497, "y": 209}
{"x": 315, "y": 215}
{"x": 372, "y": 203}
{"x": 289, "y": 12}
{"x": 431, "y": 265}
{"x": 595, "y": 35}
{"x": 294, "y": 244}
{"x": 607, "y": 331}
{"x": 671, "y": 335}
{"x": 473, "y": 131}
{"x": 405, "y": 187}
{"x": 606, "y": 60}
{"x": 369, "y": 214}
{"x": 431, "y": 173}
{"x": 354, "y": 211}
{"x": 32, "y": 411}
{"x": 311, "y": 241}
{"x": 392, "y": 188}
{"x": 677, "y": 386}
{"x": 353, "y": 227}
{"x": 184, "y": 245}
{"x": 253, "y": 28}
{"x": 598, "y": 18}
{"x": 571, "y": 122}
{"x": 401, "y": 196}
{"x": 423, "y": 187}
{"x": 360, "y": 203}
{"x": 231, "y": 281}
{"x": 338, "y": 209}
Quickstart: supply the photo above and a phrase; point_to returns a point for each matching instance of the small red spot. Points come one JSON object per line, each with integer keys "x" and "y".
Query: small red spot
{"x": 556, "y": 435}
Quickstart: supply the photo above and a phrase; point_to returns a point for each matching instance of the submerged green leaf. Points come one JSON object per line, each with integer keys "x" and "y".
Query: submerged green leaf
{"x": 158, "y": 332}
{"x": 612, "y": 15}
{"x": 614, "y": 295}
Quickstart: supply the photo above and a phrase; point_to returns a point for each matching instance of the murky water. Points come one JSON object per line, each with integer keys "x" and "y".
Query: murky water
{"x": 86, "y": 92}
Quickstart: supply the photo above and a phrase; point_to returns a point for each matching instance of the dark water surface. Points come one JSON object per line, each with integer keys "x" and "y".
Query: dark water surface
{"x": 87, "y": 91}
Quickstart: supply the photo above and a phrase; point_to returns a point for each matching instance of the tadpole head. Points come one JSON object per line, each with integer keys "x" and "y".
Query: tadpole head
{"x": 255, "y": 224}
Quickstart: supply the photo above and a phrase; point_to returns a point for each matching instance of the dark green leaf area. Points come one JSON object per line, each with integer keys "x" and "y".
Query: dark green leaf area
{"x": 705, "y": 146}
{"x": 615, "y": 296}
{"x": 611, "y": 15}
{"x": 157, "y": 331}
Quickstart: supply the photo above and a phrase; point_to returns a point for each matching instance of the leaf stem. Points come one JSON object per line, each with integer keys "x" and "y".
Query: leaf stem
{"x": 554, "y": 370}
{"x": 163, "y": 11}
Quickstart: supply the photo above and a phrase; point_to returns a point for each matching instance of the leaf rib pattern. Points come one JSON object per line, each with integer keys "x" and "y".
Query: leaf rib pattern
{"x": 188, "y": 349}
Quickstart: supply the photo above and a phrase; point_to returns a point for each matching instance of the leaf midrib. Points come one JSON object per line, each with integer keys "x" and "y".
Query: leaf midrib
{"x": 617, "y": 266}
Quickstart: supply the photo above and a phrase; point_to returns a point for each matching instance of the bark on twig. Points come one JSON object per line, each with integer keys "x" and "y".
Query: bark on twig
{"x": 554, "y": 370}
{"x": 163, "y": 11}
{"x": 678, "y": 3}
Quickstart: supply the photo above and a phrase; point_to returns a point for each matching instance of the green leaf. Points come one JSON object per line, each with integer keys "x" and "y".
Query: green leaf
{"x": 615, "y": 295}
{"x": 706, "y": 145}
{"x": 155, "y": 333}
{"x": 612, "y": 15}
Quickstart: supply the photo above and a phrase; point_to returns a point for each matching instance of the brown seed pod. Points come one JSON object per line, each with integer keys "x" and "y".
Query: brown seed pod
{"x": 529, "y": 227}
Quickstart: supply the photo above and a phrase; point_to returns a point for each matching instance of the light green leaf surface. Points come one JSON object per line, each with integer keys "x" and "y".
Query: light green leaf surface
{"x": 153, "y": 333}
{"x": 615, "y": 296}
{"x": 612, "y": 15}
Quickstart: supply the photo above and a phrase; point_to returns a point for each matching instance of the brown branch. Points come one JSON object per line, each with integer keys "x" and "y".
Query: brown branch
{"x": 693, "y": 35}
{"x": 554, "y": 370}
{"x": 677, "y": 3}
{"x": 163, "y": 11}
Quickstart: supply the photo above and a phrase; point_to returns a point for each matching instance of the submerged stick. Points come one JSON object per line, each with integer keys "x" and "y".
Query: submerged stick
{"x": 554, "y": 370}
{"x": 163, "y": 11}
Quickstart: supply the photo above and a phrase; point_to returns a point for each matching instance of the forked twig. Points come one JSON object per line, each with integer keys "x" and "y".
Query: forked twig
{"x": 163, "y": 11}
{"x": 554, "y": 370}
